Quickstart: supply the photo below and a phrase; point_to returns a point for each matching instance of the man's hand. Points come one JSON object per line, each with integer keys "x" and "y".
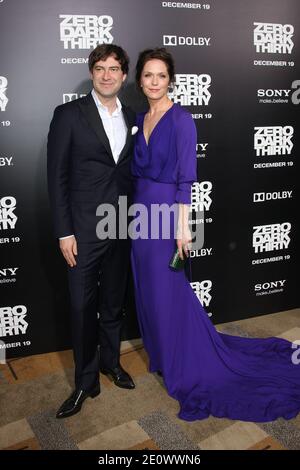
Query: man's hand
{"x": 68, "y": 247}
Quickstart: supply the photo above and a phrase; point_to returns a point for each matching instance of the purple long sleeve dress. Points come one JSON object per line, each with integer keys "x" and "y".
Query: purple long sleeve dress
{"x": 209, "y": 373}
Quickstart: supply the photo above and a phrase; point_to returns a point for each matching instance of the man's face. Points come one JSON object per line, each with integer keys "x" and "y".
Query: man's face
{"x": 107, "y": 77}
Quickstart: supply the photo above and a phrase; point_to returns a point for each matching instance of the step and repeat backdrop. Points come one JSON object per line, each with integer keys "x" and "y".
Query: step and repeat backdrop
{"x": 237, "y": 72}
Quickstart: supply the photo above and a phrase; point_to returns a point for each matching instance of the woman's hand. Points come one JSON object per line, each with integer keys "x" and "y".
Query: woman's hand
{"x": 184, "y": 236}
{"x": 184, "y": 239}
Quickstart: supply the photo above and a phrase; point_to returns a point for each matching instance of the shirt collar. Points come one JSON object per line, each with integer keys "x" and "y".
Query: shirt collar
{"x": 104, "y": 108}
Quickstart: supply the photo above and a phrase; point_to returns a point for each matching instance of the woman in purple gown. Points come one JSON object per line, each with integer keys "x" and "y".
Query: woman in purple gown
{"x": 209, "y": 373}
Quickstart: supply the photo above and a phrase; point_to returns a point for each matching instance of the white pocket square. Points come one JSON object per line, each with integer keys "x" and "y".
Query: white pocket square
{"x": 134, "y": 130}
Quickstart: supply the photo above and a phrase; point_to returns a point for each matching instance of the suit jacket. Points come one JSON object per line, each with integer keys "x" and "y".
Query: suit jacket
{"x": 82, "y": 172}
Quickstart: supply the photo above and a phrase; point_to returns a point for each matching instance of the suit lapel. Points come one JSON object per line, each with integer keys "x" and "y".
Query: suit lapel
{"x": 128, "y": 136}
{"x": 89, "y": 108}
{"x": 90, "y": 111}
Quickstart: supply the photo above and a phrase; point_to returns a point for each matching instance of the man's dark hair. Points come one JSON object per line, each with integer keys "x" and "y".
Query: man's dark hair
{"x": 103, "y": 51}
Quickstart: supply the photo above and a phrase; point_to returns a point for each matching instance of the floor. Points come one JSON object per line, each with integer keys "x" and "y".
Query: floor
{"x": 32, "y": 388}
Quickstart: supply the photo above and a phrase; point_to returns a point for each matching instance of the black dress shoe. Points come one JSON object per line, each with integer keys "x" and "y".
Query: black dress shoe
{"x": 74, "y": 403}
{"x": 120, "y": 377}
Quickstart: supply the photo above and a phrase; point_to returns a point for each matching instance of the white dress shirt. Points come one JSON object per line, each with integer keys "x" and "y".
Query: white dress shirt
{"x": 115, "y": 129}
{"x": 114, "y": 126}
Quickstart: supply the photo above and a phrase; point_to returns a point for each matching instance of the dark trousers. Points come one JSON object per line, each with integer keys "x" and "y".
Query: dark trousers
{"x": 97, "y": 288}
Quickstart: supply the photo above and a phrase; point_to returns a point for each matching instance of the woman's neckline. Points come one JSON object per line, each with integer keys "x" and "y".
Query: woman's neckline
{"x": 158, "y": 122}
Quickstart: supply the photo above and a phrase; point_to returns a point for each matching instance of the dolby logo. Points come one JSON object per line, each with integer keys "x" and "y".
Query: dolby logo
{"x": 185, "y": 41}
{"x": 67, "y": 97}
{"x": 6, "y": 161}
{"x": 261, "y": 197}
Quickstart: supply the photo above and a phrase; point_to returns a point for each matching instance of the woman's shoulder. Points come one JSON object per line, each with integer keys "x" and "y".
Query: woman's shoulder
{"x": 140, "y": 116}
{"x": 182, "y": 116}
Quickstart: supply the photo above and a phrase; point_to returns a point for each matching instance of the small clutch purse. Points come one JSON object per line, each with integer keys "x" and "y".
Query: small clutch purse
{"x": 176, "y": 263}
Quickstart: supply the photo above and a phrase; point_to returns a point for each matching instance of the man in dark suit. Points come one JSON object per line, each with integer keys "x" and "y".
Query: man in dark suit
{"x": 90, "y": 146}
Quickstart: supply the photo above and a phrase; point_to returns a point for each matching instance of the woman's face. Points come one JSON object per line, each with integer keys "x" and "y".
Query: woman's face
{"x": 155, "y": 79}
